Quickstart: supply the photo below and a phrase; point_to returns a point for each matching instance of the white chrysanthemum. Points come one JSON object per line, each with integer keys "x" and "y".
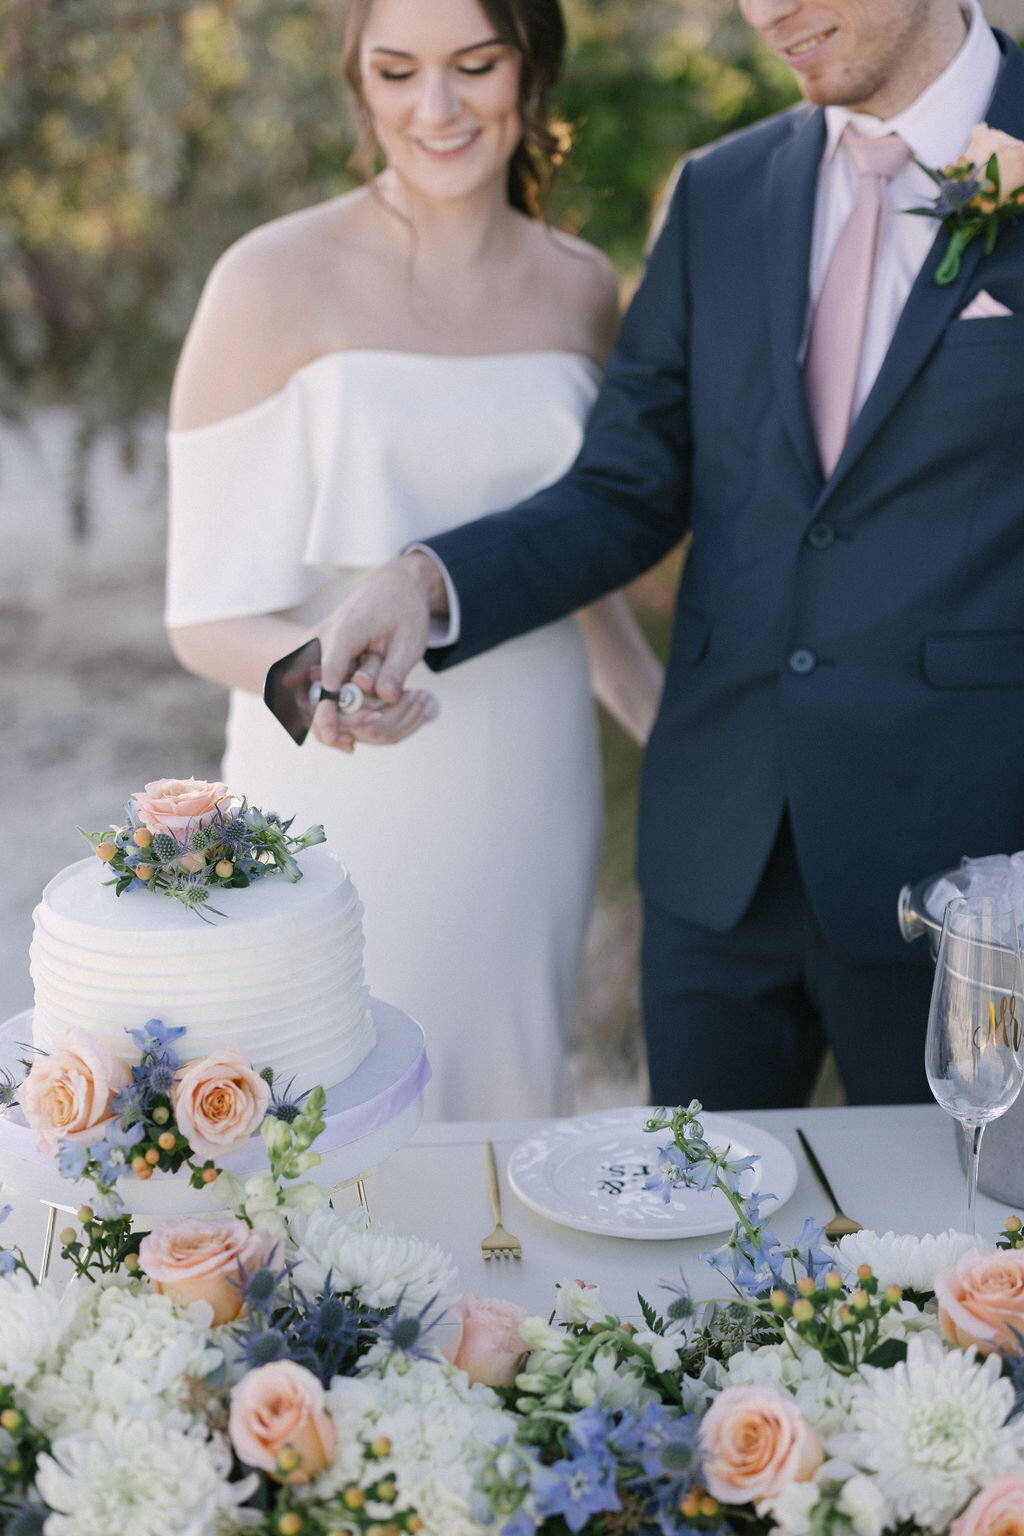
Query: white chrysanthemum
{"x": 31, "y": 1324}
{"x": 373, "y": 1261}
{"x": 139, "y": 1476}
{"x": 931, "y": 1430}
{"x": 896, "y": 1259}
{"x": 126, "y": 1350}
{"x": 441, "y": 1430}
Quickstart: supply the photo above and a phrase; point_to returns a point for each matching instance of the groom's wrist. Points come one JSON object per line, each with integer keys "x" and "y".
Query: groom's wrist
{"x": 436, "y": 585}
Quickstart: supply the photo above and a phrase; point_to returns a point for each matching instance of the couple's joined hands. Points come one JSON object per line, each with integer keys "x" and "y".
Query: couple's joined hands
{"x": 373, "y": 640}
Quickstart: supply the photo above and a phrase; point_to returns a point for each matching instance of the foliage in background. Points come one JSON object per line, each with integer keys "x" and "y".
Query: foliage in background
{"x": 138, "y": 138}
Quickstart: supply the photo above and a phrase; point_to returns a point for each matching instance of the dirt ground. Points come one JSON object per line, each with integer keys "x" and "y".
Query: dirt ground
{"x": 93, "y": 705}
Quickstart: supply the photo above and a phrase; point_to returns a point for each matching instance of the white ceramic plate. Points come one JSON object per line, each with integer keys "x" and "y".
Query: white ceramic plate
{"x": 589, "y": 1173}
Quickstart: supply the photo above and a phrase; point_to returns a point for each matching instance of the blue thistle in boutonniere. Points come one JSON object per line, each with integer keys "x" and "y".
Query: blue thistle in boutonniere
{"x": 979, "y": 194}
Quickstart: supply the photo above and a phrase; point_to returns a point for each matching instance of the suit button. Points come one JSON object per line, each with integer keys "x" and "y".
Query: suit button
{"x": 801, "y": 662}
{"x": 821, "y": 535}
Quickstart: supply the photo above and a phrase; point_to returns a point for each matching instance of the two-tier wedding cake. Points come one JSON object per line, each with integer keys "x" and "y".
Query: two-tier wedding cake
{"x": 274, "y": 966}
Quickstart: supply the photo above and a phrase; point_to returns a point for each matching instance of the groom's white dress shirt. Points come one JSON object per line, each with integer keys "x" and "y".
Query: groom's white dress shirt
{"x": 936, "y": 127}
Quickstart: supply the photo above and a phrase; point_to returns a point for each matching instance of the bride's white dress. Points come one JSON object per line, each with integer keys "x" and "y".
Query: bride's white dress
{"x": 474, "y": 843}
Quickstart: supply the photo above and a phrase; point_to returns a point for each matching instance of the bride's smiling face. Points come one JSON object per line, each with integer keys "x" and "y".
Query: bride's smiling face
{"x": 442, "y": 88}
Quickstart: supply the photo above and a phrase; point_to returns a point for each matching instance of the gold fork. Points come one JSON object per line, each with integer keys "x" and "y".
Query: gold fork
{"x": 840, "y": 1225}
{"x": 500, "y": 1244}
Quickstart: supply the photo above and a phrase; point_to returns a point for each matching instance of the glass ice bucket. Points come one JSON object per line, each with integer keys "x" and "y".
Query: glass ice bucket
{"x": 920, "y": 911}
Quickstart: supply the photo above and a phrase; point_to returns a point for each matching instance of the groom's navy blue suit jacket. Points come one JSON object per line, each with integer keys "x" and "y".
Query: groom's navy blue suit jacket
{"x": 852, "y": 648}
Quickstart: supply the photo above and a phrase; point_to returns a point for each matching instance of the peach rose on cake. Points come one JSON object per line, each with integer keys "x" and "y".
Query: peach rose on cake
{"x": 981, "y": 1297}
{"x": 753, "y": 1442}
{"x": 277, "y": 1422}
{"x": 202, "y": 1258}
{"x": 489, "y": 1347}
{"x": 997, "y": 1510}
{"x": 66, "y": 1095}
{"x": 1009, "y": 153}
{"x": 219, "y": 1101}
{"x": 178, "y": 806}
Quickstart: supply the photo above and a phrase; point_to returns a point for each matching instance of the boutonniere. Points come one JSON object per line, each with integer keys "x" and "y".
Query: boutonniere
{"x": 979, "y": 194}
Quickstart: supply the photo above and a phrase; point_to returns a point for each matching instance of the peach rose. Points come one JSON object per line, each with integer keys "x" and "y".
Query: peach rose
{"x": 981, "y": 1297}
{"x": 997, "y": 1510}
{"x": 280, "y": 1408}
{"x": 66, "y": 1095}
{"x": 489, "y": 1347}
{"x": 201, "y": 1258}
{"x": 753, "y": 1441}
{"x": 1009, "y": 153}
{"x": 178, "y": 806}
{"x": 219, "y": 1101}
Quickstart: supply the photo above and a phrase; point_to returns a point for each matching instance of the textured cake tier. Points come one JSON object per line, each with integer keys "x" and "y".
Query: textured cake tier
{"x": 279, "y": 973}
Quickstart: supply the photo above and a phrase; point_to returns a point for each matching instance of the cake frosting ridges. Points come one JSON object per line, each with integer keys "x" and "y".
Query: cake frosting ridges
{"x": 278, "y": 972}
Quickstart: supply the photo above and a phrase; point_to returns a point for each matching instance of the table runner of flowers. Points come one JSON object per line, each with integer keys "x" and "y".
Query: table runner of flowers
{"x": 282, "y": 1369}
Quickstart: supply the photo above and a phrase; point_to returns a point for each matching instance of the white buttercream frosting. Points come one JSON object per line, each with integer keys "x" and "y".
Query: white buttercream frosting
{"x": 279, "y": 972}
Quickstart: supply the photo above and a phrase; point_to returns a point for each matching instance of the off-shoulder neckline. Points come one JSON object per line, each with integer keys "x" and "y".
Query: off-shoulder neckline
{"x": 338, "y": 353}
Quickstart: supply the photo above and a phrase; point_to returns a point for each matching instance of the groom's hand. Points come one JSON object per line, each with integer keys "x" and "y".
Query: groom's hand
{"x": 375, "y": 637}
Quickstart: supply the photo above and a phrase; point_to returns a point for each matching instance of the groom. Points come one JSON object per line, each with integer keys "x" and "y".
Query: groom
{"x": 844, "y": 437}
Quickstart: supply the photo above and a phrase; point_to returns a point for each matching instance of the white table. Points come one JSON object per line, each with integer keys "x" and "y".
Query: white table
{"x": 893, "y": 1168}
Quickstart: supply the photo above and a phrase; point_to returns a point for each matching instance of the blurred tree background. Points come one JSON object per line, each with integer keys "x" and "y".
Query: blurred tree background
{"x": 138, "y": 138}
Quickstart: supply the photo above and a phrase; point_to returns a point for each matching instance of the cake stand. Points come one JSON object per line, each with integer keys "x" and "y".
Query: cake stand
{"x": 368, "y": 1116}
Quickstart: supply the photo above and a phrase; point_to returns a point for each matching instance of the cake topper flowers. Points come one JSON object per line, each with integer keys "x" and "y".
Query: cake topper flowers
{"x": 188, "y": 837}
{"x": 979, "y": 194}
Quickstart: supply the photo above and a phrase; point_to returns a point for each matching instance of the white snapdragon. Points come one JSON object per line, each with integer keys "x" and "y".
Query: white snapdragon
{"x": 617, "y": 1383}
{"x": 861, "y": 1502}
{"x": 664, "y": 1349}
{"x": 141, "y": 1476}
{"x": 579, "y": 1305}
{"x": 374, "y": 1262}
{"x": 790, "y": 1509}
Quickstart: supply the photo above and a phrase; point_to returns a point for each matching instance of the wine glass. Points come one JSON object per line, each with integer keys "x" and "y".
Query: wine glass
{"x": 974, "y": 1052}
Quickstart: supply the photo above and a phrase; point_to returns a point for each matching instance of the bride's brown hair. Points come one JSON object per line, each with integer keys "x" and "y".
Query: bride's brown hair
{"x": 536, "y": 30}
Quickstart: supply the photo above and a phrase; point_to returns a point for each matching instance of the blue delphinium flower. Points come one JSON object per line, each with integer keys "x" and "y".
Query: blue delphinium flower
{"x": 577, "y": 1486}
{"x": 672, "y": 1170}
{"x": 156, "y": 1036}
{"x": 71, "y": 1159}
{"x": 113, "y": 1152}
{"x": 8, "y": 1263}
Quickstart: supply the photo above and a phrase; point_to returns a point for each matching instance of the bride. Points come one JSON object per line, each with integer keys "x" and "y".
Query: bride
{"x": 364, "y": 373}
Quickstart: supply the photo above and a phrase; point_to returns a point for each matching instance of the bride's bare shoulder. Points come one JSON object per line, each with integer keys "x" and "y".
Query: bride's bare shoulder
{"x": 582, "y": 286}
{"x": 265, "y": 310}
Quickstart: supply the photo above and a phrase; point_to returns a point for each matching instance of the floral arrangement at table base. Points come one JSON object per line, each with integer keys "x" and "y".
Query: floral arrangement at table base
{"x": 278, "y": 1369}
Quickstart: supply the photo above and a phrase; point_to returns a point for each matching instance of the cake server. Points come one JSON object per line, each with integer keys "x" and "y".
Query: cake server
{"x": 292, "y": 690}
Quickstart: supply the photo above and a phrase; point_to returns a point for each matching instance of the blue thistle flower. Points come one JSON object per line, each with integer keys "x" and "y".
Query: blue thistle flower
{"x": 408, "y": 1333}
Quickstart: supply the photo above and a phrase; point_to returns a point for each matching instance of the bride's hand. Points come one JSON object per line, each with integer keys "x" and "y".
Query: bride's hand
{"x": 376, "y": 723}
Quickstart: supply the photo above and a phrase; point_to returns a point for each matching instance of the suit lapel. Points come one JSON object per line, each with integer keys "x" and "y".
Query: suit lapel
{"x": 790, "y": 187}
{"x": 929, "y": 308}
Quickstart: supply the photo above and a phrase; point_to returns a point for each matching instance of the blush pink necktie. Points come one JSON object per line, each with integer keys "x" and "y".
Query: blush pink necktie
{"x": 837, "y": 330}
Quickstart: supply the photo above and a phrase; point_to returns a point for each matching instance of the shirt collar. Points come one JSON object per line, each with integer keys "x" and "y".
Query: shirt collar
{"x": 938, "y": 125}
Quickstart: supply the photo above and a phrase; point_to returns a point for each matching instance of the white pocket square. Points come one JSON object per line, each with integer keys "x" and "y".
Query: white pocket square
{"x": 982, "y": 307}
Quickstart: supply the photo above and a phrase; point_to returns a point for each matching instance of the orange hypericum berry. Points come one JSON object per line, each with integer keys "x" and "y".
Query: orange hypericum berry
{"x": 142, "y": 837}
{"x": 166, "y": 1141}
{"x": 105, "y": 851}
